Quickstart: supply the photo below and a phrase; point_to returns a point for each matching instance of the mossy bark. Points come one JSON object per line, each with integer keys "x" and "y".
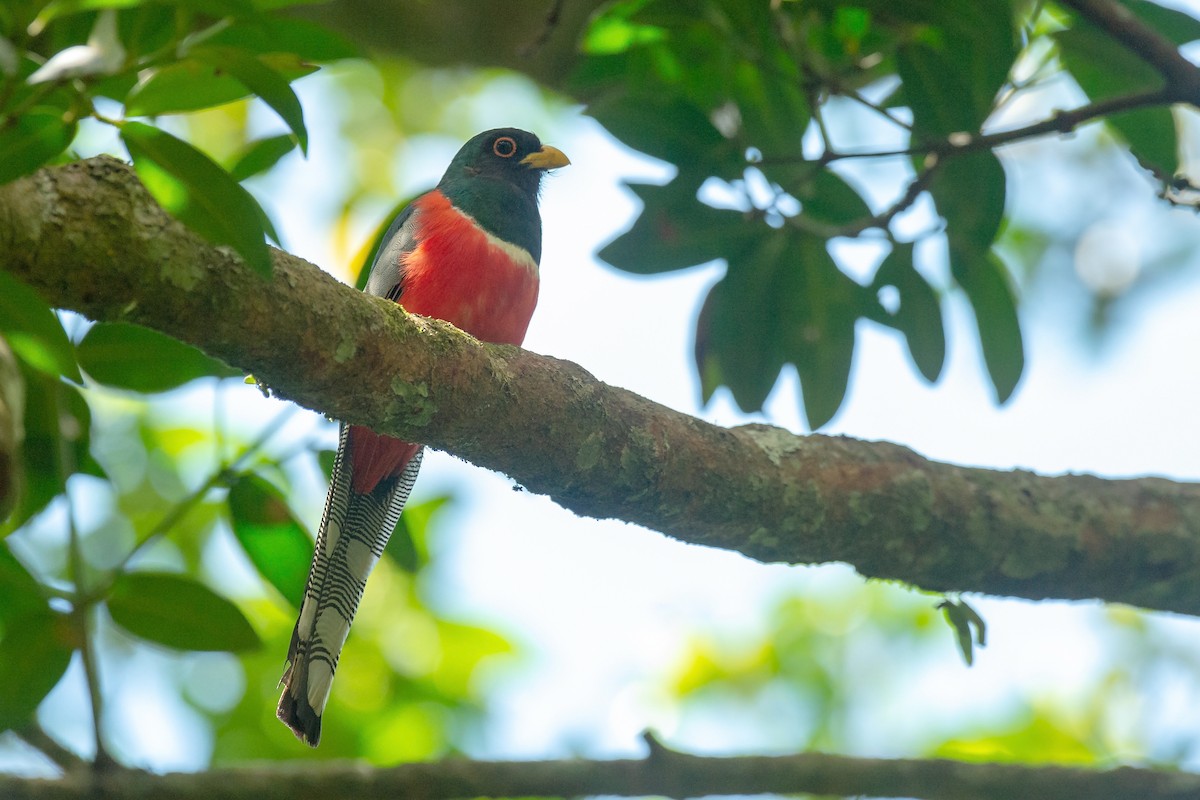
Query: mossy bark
{"x": 89, "y": 238}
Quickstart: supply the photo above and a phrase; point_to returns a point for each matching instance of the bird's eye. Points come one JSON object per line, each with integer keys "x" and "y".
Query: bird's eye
{"x": 505, "y": 147}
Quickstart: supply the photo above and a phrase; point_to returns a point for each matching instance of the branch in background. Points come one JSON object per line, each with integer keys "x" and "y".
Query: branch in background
{"x": 34, "y": 736}
{"x": 665, "y": 773}
{"x": 90, "y": 238}
{"x": 1181, "y": 75}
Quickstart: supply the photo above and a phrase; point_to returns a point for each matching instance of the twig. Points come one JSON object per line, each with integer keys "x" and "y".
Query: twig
{"x": 81, "y": 604}
{"x": 37, "y": 738}
{"x": 180, "y": 509}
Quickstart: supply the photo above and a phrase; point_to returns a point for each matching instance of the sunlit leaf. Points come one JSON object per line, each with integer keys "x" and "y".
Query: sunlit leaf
{"x": 178, "y": 612}
{"x": 271, "y": 87}
{"x": 34, "y": 654}
{"x": 271, "y": 536}
{"x": 132, "y": 357}
{"x": 33, "y": 331}
{"x": 408, "y": 545}
{"x": 212, "y": 203}
{"x": 33, "y": 140}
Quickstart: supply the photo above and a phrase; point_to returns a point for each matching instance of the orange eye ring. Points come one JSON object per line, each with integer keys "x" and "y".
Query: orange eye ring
{"x": 505, "y": 147}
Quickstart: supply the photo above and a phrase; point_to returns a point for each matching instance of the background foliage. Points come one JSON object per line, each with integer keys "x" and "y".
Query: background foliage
{"x": 138, "y": 486}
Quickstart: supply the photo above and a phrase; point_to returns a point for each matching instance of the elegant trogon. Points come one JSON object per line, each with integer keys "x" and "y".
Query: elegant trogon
{"x": 466, "y": 252}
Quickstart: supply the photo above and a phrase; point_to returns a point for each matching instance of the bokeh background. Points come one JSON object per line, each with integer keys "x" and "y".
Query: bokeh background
{"x": 519, "y": 630}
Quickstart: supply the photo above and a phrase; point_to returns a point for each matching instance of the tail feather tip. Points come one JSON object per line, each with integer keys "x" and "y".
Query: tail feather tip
{"x": 300, "y": 717}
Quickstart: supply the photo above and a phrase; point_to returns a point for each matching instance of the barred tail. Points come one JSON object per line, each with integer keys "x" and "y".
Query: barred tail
{"x": 354, "y": 529}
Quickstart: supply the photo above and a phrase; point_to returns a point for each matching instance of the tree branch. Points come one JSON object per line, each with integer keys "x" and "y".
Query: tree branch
{"x": 664, "y": 773}
{"x": 90, "y": 238}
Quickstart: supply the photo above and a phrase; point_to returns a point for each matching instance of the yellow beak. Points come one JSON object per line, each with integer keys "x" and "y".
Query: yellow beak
{"x": 546, "y": 158}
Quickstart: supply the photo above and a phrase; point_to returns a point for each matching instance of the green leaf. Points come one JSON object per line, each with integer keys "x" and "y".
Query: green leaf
{"x": 664, "y": 126}
{"x": 919, "y": 315}
{"x": 187, "y": 85}
{"x": 969, "y": 628}
{"x": 261, "y": 155}
{"x": 675, "y": 230}
{"x": 326, "y": 459}
{"x": 824, "y": 195}
{"x": 986, "y": 283}
{"x": 20, "y": 592}
{"x": 970, "y": 192}
{"x": 408, "y": 546}
{"x": 132, "y": 357}
{"x": 12, "y": 431}
{"x": 820, "y": 308}
{"x": 271, "y": 536}
{"x": 739, "y": 330}
{"x": 1178, "y": 27}
{"x": 772, "y": 106}
{"x": 279, "y": 34}
{"x": 1153, "y": 135}
{"x": 207, "y": 78}
{"x": 269, "y": 85}
{"x": 176, "y": 611}
{"x": 33, "y": 330}
{"x": 215, "y": 8}
{"x": 33, "y": 140}
{"x": 1105, "y": 69}
{"x": 201, "y": 194}
{"x": 57, "y": 431}
{"x": 783, "y": 301}
{"x": 952, "y": 73}
{"x": 34, "y": 654}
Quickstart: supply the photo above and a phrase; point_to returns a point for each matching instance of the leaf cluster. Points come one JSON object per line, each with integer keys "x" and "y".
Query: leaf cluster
{"x": 755, "y": 98}
{"x": 75, "y": 60}
{"x": 136, "y": 573}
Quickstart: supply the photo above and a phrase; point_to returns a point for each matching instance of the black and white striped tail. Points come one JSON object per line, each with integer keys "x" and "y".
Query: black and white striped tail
{"x": 354, "y": 529}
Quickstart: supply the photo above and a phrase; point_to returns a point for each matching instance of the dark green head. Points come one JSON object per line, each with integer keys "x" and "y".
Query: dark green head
{"x": 495, "y": 178}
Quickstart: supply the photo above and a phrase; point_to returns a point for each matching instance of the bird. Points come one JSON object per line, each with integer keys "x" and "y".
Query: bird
{"x": 468, "y": 252}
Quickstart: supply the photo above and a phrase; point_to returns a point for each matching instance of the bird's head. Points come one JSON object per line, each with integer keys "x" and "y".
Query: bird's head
{"x": 508, "y": 154}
